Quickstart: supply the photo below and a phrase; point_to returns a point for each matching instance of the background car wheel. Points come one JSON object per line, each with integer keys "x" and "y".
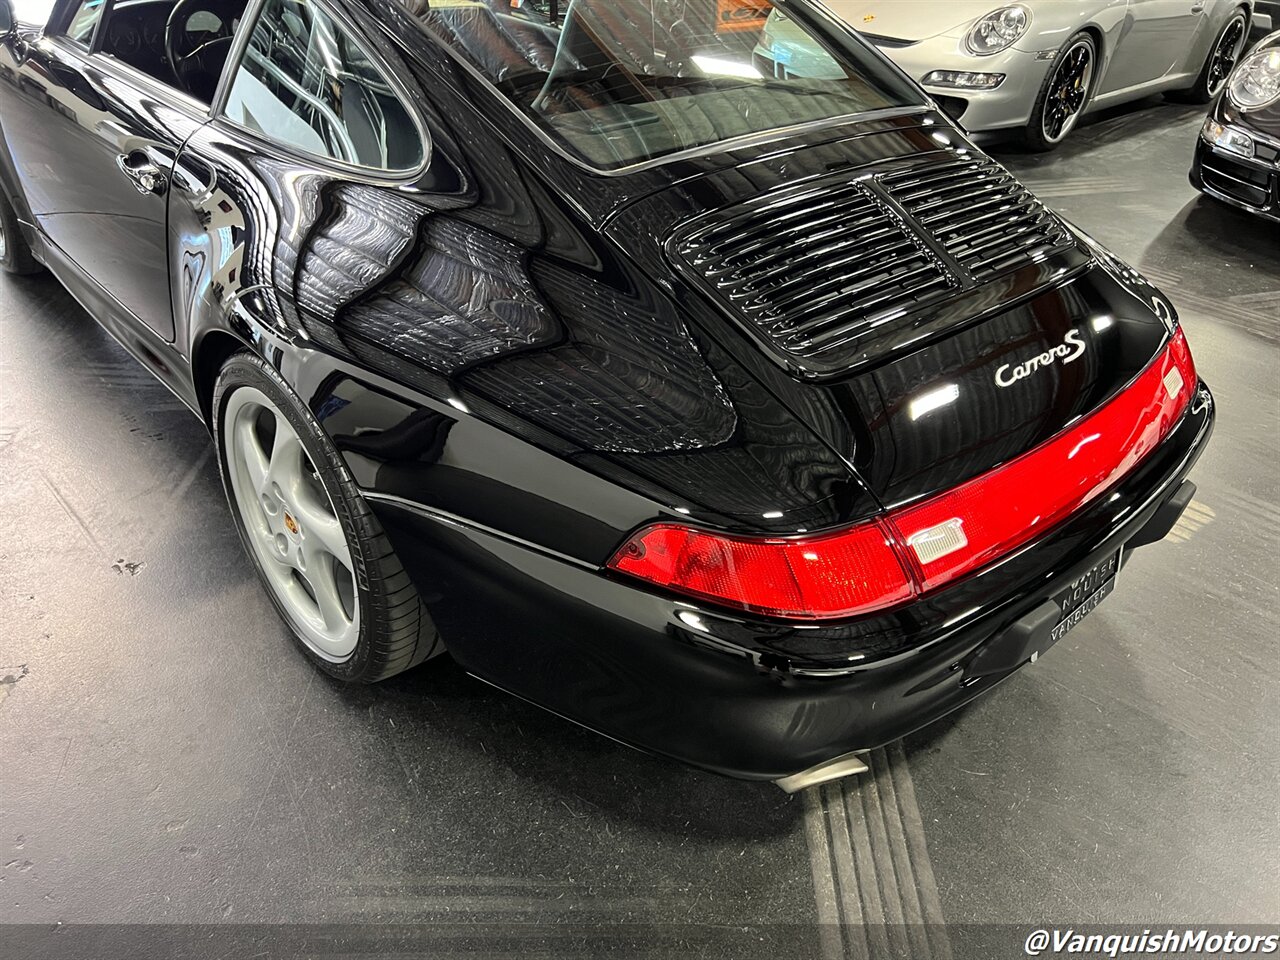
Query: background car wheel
{"x": 321, "y": 552}
{"x": 1065, "y": 94}
{"x": 15, "y": 255}
{"x": 1223, "y": 57}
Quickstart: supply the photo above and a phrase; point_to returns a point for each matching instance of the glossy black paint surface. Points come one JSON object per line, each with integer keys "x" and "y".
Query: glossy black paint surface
{"x": 518, "y": 376}
{"x": 1251, "y": 184}
{"x": 741, "y": 696}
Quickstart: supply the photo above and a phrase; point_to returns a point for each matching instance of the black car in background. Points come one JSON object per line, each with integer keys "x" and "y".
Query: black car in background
{"x": 1238, "y": 153}
{"x": 750, "y": 421}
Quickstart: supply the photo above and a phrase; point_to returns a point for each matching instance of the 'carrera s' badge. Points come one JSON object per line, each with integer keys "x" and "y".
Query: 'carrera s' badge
{"x": 1069, "y": 351}
{"x": 290, "y": 523}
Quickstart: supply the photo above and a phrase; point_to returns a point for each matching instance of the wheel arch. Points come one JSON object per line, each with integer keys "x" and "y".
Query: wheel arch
{"x": 1099, "y": 38}
{"x": 1098, "y": 34}
{"x": 208, "y": 355}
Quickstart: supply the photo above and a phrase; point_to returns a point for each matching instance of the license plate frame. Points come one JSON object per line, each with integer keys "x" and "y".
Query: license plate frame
{"x": 1030, "y": 637}
{"x": 1084, "y": 595}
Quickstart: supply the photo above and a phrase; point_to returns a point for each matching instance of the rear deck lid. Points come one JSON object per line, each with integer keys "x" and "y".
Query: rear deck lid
{"x": 905, "y": 297}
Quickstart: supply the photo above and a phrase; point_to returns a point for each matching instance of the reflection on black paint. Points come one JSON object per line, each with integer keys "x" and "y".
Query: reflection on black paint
{"x": 418, "y": 438}
{"x": 466, "y": 297}
{"x": 362, "y": 235}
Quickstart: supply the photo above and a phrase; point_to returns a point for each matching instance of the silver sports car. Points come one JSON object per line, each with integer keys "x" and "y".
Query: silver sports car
{"x": 1038, "y": 66}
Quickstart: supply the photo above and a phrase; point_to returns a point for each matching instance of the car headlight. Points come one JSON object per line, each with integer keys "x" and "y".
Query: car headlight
{"x": 998, "y": 30}
{"x": 963, "y": 79}
{"x": 1227, "y": 138}
{"x": 1256, "y": 82}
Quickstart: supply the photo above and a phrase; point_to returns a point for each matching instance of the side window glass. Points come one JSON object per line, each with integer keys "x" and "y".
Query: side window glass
{"x": 304, "y": 82}
{"x": 84, "y": 21}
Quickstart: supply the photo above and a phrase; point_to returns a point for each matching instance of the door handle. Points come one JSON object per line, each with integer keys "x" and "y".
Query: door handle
{"x": 148, "y": 179}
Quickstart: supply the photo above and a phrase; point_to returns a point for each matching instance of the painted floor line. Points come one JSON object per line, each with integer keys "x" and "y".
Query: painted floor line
{"x": 873, "y": 882}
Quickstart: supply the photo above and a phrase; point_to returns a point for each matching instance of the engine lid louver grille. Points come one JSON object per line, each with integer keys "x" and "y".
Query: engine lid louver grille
{"x": 985, "y": 219}
{"x": 807, "y": 267}
{"x": 820, "y": 269}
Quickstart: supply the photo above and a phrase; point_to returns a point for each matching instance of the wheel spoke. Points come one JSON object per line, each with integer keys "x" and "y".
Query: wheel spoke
{"x": 324, "y": 582}
{"x": 321, "y": 529}
{"x": 286, "y": 460}
{"x": 1057, "y": 117}
{"x": 255, "y": 459}
{"x": 283, "y": 562}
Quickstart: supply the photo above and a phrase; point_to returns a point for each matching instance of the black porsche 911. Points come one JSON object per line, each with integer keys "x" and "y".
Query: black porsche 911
{"x": 752, "y": 421}
{"x": 1238, "y": 153}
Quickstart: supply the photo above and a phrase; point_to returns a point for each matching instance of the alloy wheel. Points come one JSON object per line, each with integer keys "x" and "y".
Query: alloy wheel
{"x": 4, "y": 242}
{"x": 1068, "y": 91}
{"x": 291, "y": 525}
{"x": 1225, "y": 55}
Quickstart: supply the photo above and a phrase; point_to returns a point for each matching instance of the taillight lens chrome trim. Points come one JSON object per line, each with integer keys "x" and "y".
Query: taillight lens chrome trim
{"x": 883, "y": 563}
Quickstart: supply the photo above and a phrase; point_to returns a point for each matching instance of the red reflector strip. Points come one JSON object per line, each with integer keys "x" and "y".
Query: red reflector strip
{"x": 1006, "y": 507}
{"x": 838, "y": 575}
{"x": 883, "y": 563}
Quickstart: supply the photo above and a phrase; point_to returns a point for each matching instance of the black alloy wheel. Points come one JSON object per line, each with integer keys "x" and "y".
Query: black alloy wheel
{"x": 1065, "y": 94}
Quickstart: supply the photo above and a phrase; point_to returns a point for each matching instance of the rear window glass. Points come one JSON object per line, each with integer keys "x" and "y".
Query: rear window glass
{"x": 618, "y": 82}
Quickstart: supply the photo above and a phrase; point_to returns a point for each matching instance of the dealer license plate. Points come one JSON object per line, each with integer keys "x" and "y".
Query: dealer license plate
{"x": 1083, "y": 596}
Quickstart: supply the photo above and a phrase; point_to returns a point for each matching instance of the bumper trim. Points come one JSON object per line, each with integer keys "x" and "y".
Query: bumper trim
{"x": 1169, "y": 513}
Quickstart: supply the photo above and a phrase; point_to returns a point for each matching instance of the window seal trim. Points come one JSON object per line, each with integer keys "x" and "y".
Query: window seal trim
{"x": 358, "y": 34}
{"x": 247, "y": 23}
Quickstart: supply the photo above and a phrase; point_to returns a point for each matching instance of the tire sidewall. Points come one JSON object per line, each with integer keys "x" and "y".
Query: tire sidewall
{"x": 249, "y": 370}
{"x": 6, "y": 225}
{"x": 17, "y": 257}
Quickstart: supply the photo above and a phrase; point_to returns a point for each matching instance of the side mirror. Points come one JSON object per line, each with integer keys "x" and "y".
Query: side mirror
{"x": 6, "y": 20}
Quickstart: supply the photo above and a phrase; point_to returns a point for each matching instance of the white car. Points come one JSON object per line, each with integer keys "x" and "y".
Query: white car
{"x": 1034, "y": 67}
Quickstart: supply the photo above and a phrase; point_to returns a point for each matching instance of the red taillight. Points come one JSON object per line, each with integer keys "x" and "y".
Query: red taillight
{"x": 846, "y": 573}
{"x": 882, "y": 563}
{"x": 1011, "y": 505}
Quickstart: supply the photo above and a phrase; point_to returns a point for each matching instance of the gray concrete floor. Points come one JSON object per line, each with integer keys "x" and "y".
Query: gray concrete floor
{"x": 166, "y": 755}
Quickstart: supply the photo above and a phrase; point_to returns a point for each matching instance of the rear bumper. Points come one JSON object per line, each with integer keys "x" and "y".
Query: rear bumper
{"x": 748, "y": 697}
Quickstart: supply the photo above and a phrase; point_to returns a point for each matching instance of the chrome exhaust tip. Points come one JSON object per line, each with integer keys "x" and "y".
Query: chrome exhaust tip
{"x": 845, "y": 766}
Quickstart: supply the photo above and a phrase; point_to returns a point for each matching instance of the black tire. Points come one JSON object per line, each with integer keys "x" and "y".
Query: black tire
{"x": 395, "y": 630}
{"x": 1217, "y": 68}
{"x": 15, "y": 254}
{"x": 1040, "y": 134}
